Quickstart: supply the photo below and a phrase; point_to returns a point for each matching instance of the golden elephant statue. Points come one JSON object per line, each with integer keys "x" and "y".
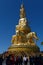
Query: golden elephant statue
{"x": 31, "y": 36}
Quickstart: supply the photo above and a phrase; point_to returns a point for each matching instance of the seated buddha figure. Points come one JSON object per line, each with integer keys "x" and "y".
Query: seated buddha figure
{"x": 19, "y": 38}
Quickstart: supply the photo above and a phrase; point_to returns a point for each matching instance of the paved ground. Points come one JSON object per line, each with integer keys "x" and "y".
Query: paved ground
{"x": 5, "y": 63}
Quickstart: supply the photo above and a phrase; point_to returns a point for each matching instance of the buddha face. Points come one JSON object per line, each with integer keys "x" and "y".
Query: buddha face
{"x": 23, "y": 21}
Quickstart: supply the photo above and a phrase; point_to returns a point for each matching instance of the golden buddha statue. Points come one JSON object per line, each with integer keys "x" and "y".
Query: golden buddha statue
{"x": 23, "y": 31}
{"x": 23, "y": 39}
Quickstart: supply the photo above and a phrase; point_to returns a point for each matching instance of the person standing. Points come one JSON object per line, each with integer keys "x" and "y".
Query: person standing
{"x": 1, "y": 60}
{"x": 25, "y": 60}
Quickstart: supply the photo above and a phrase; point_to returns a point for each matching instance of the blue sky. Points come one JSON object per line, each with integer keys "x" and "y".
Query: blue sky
{"x": 9, "y": 18}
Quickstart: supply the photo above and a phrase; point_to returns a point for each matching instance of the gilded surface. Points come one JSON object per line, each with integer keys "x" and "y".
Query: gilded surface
{"x": 23, "y": 38}
{"x": 23, "y": 31}
{"x": 22, "y": 12}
